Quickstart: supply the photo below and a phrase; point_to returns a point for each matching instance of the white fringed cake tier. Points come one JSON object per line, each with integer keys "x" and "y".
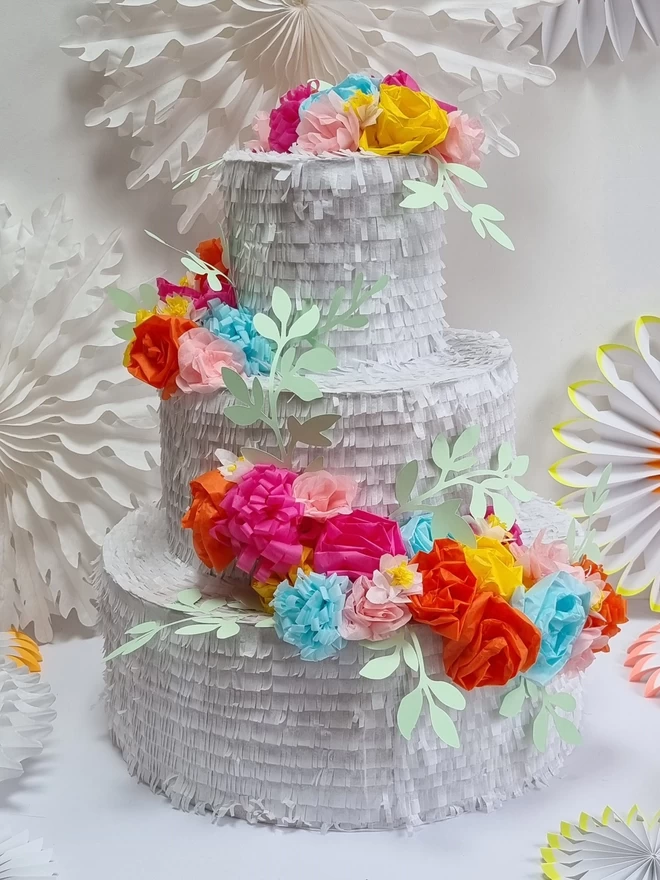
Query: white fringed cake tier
{"x": 310, "y": 224}
{"x": 243, "y": 728}
{"x": 389, "y": 416}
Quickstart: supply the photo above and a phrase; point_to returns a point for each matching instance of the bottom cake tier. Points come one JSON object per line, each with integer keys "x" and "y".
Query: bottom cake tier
{"x": 242, "y": 727}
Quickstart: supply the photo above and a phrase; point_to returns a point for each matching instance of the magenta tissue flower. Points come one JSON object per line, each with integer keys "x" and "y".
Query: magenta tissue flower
{"x": 285, "y": 118}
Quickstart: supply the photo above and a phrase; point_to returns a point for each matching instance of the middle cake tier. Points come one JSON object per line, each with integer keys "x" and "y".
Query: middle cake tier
{"x": 389, "y": 416}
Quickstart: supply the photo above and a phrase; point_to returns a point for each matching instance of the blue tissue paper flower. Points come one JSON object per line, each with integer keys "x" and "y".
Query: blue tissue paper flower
{"x": 237, "y": 326}
{"x": 355, "y": 82}
{"x": 558, "y": 605}
{"x": 308, "y": 614}
{"x": 417, "y": 534}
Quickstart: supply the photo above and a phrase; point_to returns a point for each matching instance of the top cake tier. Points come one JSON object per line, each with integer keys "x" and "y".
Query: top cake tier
{"x": 310, "y": 224}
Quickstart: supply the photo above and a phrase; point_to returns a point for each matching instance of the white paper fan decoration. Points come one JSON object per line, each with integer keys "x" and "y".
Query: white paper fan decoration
{"x": 609, "y": 848}
{"x": 621, "y": 427}
{"x": 23, "y": 858}
{"x": 592, "y": 20}
{"x": 187, "y": 78}
{"x": 77, "y": 442}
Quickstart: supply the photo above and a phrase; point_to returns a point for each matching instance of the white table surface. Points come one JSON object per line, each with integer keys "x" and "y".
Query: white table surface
{"x": 102, "y": 825}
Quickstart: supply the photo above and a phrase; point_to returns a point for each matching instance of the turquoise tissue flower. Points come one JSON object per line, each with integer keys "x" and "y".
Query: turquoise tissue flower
{"x": 237, "y": 326}
{"x": 308, "y": 614}
{"x": 355, "y": 82}
{"x": 558, "y": 605}
{"x": 417, "y": 535}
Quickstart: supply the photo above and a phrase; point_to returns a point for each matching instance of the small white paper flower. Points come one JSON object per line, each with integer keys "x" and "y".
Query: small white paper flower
{"x": 233, "y": 467}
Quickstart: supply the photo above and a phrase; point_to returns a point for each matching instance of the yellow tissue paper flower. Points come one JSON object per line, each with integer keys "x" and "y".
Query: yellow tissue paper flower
{"x": 408, "y": 122}
{"x": 176, "y": 306}
{"x": 494, "y": 567}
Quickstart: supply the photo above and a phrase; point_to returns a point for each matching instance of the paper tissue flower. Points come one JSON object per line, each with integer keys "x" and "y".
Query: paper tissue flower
{"x": 211, "y": 252}
{"x": 308, "y": 614}
{"x": 345, "y": 90}
{"x": 370, "y": 614}
{"x": 208, "y": 492}
{"x": 541, "y": 559}
{"x": 202, "y": 357}
{"x": 154, "y": 354}
{"x": 232, "y": 467}
{"x": 449, "y": 588}
{"x": 397, "y": 575}
{"x": 401, "y": 78}
{"x": 494, "y": 567}
{"x": 493, "y": 527}
{"x": 496, "y": 644}
{"x": 325, "y": 495}
{"x": 285, "y": 118}
{"x": 464, "y": 140}
{"x": 261, "y": 521}
{"x": 352, "y": 545}
{"x": 237, "y": 326}
{"x": 409, "y": 122}
{"x": 329, "y": 125}
{"x": 612, "y": 612}
{"x": 417, "y": 534}
{"x": 558, "y": 606}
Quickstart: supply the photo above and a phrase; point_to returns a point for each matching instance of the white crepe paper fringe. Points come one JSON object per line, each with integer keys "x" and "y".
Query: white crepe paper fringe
{"x": 77, "y": 443}
{"x": 309, "y": 225}
{"x": 242, "y": 727}
{"x": 22, "y": 858}
{"x": 26, "y": 716}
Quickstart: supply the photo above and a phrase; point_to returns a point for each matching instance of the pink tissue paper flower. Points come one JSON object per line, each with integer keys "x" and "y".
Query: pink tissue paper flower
{"x": 261, "y": 127}
{"x": 369, "y": 614}
{"x": 262, "y": 521}
{"x": 582, "y": 656}
{"x": 324, "y": 495}
{"x": 200, "y": 296}
{"x": 327, "y": 127}
{"x": 201, "y": 359}
{"x": 401, "y": 78}
{"x": 464, "y": 140}
{"x": 539, "y": 559}
{"x": 284, "y": 119}
{"x": 353, "y": 545}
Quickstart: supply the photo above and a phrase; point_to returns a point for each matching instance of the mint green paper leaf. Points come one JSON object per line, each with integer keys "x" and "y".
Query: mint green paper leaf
{"x": 466, "y": 441}
{"x": 540, "y": 729}
{"x": 317, "y": 360}
{"x": 488, "y": 212}
{"x": 410, "y": 656}
{"x": 440, "y": 452}
{"x": 210, "y": 605}
{"x": 258, "y": 456}
{"x": 242, "y": 415}
{"x": 504, "y": 456}
{"x": 302, "y": 387}
{"x": 464, "y": 464}
{"x": 519, "y": 491}
{"x": 563, "y": 701}
{"x": 129, "y": 647}
{"x": 266, "y": 327}
{"x": 405, "y": 482}
{"x": 519, "y": 466}
{"x": 188, "y": 597}
{"x": 499, "y": 235}
{"x": 447, "y": 694}
{"x": 306, "y": 323}
{"x": 355, "y": 322}
{"x": 193, "y": 265}
{"x": 381, "y": 667}
{"x": 469, "y": 175}
{"x": 265, "y": 623}
{"x": 422, "y": 196}
{"x": 123, "y": 300}
{"x": 478, "y": 504}
{"x": 148, "y": 296}
{"x": 478, "y": 225}
{"x": 215, "y": 283}
{"x": 236, "y": 384}
{"x": 227, "y": 630}
{"x": 282, "y": 306}
{"x": 532, "y": 688}
{"x": 124, "y": 331}
{"x": 379, "y": 285}
{"x": 383, "y": 645}
{"x": 195, "y": 629}
{"x": 286, "y": 361}
{"x": 504, "y": 510}
{"x": 257, "y": 394}
{"x": 513, "y": 702}
{"x": 567, "y": 731}
{"x": 444, "y": 727}
{"x": 407, "y": 715}
{"x": 142, "y": 628}
{"x": 446, "y": 523}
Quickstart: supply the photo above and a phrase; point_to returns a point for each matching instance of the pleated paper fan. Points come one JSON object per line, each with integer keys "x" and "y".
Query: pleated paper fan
{"x": 621, "y": 426}
{"x": 643, "y": 660}
{"x": 78, "y": 445}
{"x": 186, "y": 79}
{"x": 23, "y": 858}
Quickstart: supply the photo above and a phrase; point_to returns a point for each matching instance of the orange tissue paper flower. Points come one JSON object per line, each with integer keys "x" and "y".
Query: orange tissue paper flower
{"x": 154, "y": 353}
{"x": 208, "y": 491}
{"x": 612, "y": 612}
{"x": 449, "y": 588}
{"x": 497, "y": 643}
{"x": 211, "y": 252}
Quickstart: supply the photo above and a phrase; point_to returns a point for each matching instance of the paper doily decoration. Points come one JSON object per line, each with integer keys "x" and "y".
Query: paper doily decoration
{"x": 23, "y": 858}
{"x": 187, "y": 78}
{"x": 592, "y": 20}
{"x": 77, "y": 443}
{"x": 609, "y": 848}
{"x": 621, "y": 426}
{"x": 644, "y": 660}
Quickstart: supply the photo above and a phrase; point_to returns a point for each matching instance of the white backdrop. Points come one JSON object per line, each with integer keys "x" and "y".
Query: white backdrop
{"x": 581, "y": 204}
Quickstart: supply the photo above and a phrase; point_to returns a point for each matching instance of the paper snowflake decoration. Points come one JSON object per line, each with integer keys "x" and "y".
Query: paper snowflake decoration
{"x": 23, "y": 858}
{"x": 77, "y": 443}
{"x": 644, "y": 660}
{"x": 591, "y": 20}
{"x": 621, "y": 427}
{"x": 609, "y": 848}
{"x": 187, "y": 78}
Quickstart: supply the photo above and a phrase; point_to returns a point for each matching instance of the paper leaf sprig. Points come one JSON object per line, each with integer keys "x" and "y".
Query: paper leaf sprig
{"x": 289, "y": 331}
{"x": 147, "y": 299}
{"x": 193, "y": 263}
{"x": 605, "y": 847}
{"x": 454, "y": 468}
{"x": 644, "y": 659}
{"x": 200, "y": 616}
{"x": 436, "y": 693}
{"x": 513, "y": 703}
{"x": 484, "y": 217}
{"x": 594, "y": 499}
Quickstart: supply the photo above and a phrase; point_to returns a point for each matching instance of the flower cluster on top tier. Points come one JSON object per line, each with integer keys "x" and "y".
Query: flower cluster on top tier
{"x": 193, "y": 331}
{"x": 331, "y": 573}
{"x": 386, "y": 116}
